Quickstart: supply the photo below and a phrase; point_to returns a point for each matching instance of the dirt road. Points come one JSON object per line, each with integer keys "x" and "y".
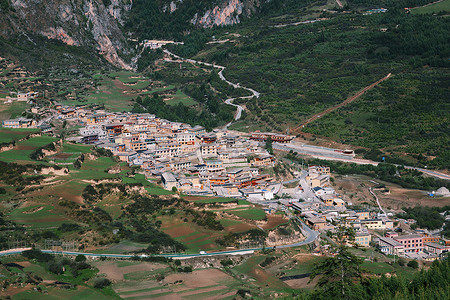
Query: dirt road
{"x": 347, "y": 101}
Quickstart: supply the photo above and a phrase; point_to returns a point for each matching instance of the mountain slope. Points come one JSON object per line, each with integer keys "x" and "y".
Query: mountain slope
{"x": 88, "y": 24}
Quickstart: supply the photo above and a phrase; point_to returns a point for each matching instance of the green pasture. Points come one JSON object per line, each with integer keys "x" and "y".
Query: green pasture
{"x": 12, "y": 110}
{"x": 229, "y": 222}
{"x": 158, "y": 191}
{"x": 182, "y": 98}
{"x": 151, "y": 188}
{"x": 12, "y": 134}
{"x": 215, "y": 200}
{"x": 249, "y": 213}
{"x": 158, "y": 90}
{"x": 23, "y": 149}
{"x": 47, "y": 216}
{"x": 75, "y": 148}
{"x": 437, "y": 7}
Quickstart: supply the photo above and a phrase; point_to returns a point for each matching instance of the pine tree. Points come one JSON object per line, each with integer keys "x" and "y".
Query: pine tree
{"x": 339, "y": 273}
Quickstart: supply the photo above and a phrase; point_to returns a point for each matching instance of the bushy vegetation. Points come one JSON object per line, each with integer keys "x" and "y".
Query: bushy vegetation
{"x": 205, "y": 218}
{"x": 101, "y": 283}
{"x": 57, "y": 266}
{"x": 426, "y": 217}
{"x": 39, "y": 153}
{"x": 16, "y": 175}
{"x": 232, "y": 238}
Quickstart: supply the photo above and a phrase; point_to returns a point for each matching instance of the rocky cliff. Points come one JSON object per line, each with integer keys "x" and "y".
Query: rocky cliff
{"x": 99, "y": 25}
{"x": 86, "y": 23}
{"x": 226, "y": 13}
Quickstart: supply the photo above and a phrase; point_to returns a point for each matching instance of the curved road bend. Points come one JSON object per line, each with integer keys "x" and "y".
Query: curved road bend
{"x": 310, "y": 234}
{"x": 325, "y": 155}
{"x": 229, "y": 101}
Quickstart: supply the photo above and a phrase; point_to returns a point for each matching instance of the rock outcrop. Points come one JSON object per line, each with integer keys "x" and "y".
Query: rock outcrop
{"x": 74, "y": 22}
{"x": 226, "y": 14}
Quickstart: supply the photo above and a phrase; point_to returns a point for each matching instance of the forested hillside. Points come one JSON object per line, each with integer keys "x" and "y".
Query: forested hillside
{"x": 302, "y": 69}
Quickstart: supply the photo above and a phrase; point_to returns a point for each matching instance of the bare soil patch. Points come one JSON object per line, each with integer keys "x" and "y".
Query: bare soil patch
{"x": 116, "y": 273}
{"x": 190, "y": 238}
{"x": 178, "y": 231}
{"x": 22, "y": 147}
{"x": 62, "y": 155}
{"x": 240, "y": 227}
{"x": 61, "y": 193}
{"x": 149, "y": 294}
{"x": 208, "y": 246}
{"x": 13, "y": 290}
{"x": 33, "y": 210}
{"x": 302, "y": 283}
{"x": 198, "y": 278}
{"x": 119, "y": 84}
{"x": 43, "y": 220}
{"x": 215, "y": 288}
{"x": 193, "y": 198}
{"x": 273, "y": 221}
{"x": 400, "y": 197}
{"x": 24, "y": 264}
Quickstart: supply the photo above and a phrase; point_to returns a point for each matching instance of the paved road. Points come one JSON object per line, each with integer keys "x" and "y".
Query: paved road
{"x": 311, "y": 236}
{"x": 229, "y": 101}
{"x": 329, "y": 154}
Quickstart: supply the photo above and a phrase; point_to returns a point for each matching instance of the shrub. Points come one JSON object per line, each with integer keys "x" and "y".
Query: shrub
{"x": 187, "y": 269}
{"x": 80, "y": 258}
{"x": 413, "y": 264}
{"x": 226, "y": 262}
{"x": 101, "y": 283}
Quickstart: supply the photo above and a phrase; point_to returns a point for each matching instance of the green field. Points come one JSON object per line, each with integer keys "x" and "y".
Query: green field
{"x": 214, "y": 200}
{"x": 249, "y": 213}
{"x": 13, "y": 110}
{"x": 21, "y": 152}
{"x": 181, "y": 97}
{"x": 228, "y": 222}
{"x": 39, "y": 216}
{"x": 9, "y": 134}
{"x": 441, "y": 6}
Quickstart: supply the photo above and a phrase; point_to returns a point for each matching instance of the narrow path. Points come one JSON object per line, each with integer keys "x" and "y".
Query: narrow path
{"x": 339, "y": 4}
{"x": 347, "y": 101}
{"x": 378, "y": 202}
{"x": 229, "y": 101}
{"x": 296, "y": 23}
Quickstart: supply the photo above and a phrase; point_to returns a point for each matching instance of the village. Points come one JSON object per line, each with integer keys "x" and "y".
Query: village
{"x": 223, "y": 163}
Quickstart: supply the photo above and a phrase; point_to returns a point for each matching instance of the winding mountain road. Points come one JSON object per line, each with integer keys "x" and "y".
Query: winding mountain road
{"x": 229, "y": 101}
